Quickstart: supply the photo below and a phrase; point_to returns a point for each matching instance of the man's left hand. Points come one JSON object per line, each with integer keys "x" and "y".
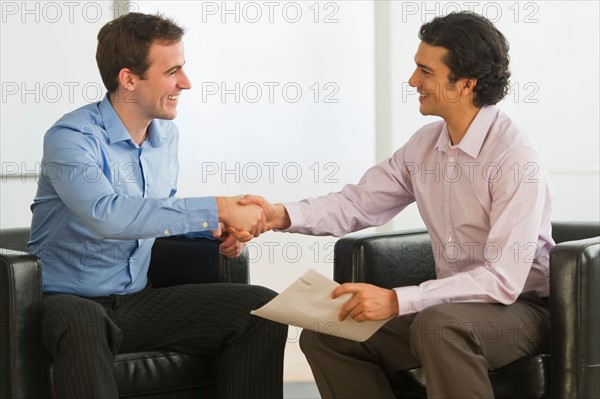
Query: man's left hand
{"x": 230, "y": 247}
{"x": 368, "y": 302}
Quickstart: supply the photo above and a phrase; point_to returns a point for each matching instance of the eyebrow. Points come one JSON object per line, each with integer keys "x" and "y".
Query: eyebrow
{"x": 429, "y": 69}
{"x": 173, "y": 68}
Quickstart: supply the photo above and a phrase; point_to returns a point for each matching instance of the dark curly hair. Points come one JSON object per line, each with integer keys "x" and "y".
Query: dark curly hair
{"x": 125, "y": 43}
{"x": 476, "y": 49}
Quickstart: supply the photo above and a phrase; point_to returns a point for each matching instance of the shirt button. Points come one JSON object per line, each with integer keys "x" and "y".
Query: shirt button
{"x": 205, "y": 225}
{"x": 451, "y": 159}
{"x": 449, "y": 239}
{"x": 166, "y": 232}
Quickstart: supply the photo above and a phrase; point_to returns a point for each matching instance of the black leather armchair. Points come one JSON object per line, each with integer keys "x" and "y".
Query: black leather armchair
{"x": 26, "y": 371}
{"x": 571, "y": 370}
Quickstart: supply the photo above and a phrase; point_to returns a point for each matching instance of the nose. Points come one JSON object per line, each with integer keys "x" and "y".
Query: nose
{"x": 412, "y": 81}
{"x": 184, "y": 82}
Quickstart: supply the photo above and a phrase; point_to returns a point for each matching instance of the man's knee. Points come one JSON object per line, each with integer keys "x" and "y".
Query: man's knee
{"x": 308, "y": 339}
{"x": 255, "y": 296}
{"x": 314, "y": 342}
{"x": 263, "y": 293}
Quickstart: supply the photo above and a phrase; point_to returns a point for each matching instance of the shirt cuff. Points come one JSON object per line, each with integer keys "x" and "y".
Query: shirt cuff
{"x": 203, "y": 213}
{"x": 295, "y": 215}
{"x": 409, "y": 300}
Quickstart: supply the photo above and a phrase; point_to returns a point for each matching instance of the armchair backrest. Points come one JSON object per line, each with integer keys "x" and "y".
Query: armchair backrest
{"x": 375, "y": 259}
{"x": 14, "y": 238}
{"x": 572, "y": 231}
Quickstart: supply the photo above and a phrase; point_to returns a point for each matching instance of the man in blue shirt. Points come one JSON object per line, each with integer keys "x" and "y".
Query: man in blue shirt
{"x": 109, "y": 174}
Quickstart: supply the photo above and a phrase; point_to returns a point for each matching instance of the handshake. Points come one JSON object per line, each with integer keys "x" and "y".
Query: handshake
{"x": 248, "y": 216}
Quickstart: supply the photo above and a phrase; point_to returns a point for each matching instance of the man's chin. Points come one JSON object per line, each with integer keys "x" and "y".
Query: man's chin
{"x": 169, "y": 116}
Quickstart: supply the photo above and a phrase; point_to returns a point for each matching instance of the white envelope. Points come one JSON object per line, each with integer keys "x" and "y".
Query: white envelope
{"x": 307, "y": 303}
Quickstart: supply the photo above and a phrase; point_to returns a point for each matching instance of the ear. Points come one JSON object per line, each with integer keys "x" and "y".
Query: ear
{"x": 468, "y": 86}
{"x": 127, "y": 79}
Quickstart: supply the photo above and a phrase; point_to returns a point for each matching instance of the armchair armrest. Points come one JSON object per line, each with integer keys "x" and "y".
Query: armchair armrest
{"x": 574, "y": 301}
{"x": 180, "y": 260}
{"x": 387, "y": 260}
{"x": 21, "y": 352}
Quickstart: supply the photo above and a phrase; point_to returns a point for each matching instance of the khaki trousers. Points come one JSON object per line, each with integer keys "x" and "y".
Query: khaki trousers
{"x": 455, "y": 343}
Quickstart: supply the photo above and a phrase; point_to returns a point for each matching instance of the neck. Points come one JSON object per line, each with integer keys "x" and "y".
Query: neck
{"x": 136, "y": 126}
{"x": 458, "y": 123}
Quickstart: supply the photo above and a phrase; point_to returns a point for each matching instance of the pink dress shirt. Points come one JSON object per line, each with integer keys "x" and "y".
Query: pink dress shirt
{"x": 486, "y": 203}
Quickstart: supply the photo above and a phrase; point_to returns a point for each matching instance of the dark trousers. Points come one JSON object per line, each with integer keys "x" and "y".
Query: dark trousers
{"x": 84, "y": 334}
{"x": 456, "y": 344}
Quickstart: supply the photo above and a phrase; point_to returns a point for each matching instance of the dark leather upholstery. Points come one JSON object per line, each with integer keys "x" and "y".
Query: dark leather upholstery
{"x": 572, "y": 370}
{"x": 25, "y": 371}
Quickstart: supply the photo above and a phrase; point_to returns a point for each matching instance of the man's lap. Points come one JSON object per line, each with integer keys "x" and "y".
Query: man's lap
{"x": 503, "y": 333}
{"x": 204, "y": 316}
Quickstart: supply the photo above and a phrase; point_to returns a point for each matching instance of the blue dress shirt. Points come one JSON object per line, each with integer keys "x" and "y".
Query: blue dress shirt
{"x": 102, "y": 200}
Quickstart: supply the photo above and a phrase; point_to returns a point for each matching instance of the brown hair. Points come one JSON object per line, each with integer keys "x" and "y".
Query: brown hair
{"x": 125, "y": 43}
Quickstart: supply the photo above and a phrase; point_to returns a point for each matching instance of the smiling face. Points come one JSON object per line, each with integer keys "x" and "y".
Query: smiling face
{"x": 438, "y": 96}
{"x": 156, "y": 94}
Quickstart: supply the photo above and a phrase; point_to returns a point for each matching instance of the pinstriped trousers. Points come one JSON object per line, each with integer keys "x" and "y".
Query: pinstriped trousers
{"x": 83, "y": 335}
{"x": 456, "y": 344}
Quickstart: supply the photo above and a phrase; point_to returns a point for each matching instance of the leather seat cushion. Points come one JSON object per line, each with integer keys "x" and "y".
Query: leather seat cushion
{"x": 164, "y": 372}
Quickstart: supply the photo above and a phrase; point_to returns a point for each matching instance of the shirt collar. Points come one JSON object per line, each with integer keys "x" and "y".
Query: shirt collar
{"x": 115, "y": 129}
{"x": 154, "y": 136}
{"x": 473, "y": 139}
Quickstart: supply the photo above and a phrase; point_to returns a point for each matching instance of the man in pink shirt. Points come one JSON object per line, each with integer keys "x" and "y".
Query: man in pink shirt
{"x": 484, "y": 196}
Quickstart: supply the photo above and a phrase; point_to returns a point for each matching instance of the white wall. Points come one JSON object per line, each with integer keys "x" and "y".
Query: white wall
{"x": 230, "y": 147}
{"x": 48, "y": 67}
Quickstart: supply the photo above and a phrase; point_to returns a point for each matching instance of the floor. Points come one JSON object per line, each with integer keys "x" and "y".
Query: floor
{"x": 300, "y": 390}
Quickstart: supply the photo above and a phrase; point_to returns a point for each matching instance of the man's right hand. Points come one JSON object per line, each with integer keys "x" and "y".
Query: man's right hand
{"x": 243, "y": 222}
{"x": 277, "y": 216}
